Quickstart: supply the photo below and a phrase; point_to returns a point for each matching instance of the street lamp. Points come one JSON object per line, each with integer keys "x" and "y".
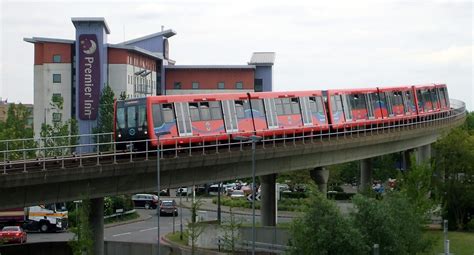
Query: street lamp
{"x": 158, "y": 134}
{"x": 254, "y": 139}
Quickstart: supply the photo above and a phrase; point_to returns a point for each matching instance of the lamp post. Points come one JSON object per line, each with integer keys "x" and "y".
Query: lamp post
{"x": 158, "y": 134}
{"x": 254, "y": 139}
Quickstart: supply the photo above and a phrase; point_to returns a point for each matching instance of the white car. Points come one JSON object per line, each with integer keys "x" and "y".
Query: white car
{"x": 237, "y": 194}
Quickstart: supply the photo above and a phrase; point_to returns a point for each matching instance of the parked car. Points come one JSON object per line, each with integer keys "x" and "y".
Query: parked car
{"x": 168, "y": 207}
{"x": 237, "y": 194}
{"x": 147, "y": 201}
{"x": 12, "y": 234}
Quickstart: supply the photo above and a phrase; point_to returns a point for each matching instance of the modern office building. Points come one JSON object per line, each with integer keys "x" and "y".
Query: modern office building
{"x": 76, "y": 71}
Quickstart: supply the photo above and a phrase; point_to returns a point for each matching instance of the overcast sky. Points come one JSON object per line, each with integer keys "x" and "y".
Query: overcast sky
{"x": 329, "y": 44}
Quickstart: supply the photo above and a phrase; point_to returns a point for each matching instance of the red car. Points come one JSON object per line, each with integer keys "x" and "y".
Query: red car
{"x": 12, "y": 234}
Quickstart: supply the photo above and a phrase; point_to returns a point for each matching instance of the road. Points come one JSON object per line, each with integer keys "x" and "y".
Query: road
{"x": 142, "y": 231}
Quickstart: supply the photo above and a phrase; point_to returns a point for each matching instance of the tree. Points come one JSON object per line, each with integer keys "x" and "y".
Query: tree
{"x": 392, "y": 222}
{"x": 195, "y": 229}
{"x": 82, "y": 243}
{"x": 455, "y": 171}
{"x": 323, "y": 230}
{"x": 416, "y": 185}
{"x": 231, "y": 232}
{"x": 58, "y": 138}
{"x": 16, "y": 127}
{"x": 105, "y": 122}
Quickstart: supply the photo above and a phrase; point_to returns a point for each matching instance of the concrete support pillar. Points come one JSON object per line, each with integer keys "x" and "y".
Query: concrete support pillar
{"x": 365, "y": 174}
{"x": 320, "y": 176}
{"x": 96, "y": 220}
{"x": 267, "y": 198}
{"x": 406, "y": 159}
{"x": 423, "y": 154}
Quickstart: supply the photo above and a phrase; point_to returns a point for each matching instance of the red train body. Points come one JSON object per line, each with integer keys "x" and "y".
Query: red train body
{"x": 197, "y": 118}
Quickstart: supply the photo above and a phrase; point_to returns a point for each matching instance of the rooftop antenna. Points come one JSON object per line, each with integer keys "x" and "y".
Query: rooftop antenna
{"x": 162, "y": 28}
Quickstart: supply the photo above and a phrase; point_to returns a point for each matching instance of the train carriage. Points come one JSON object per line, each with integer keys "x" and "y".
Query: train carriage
{"x": 350, "y": 107}
{"x": 277, "y": 113}
{"x": 397, "y": 103}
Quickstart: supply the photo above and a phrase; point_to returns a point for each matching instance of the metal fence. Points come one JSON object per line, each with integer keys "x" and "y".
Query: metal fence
{"x": 40, "y": 154}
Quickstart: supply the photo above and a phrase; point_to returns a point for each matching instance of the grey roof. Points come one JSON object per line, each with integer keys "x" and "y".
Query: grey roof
{"x": 166, "y": 33}
{"x": 262, "y": 58}
{"x": 91, "y": 19}
{"x": 137, "y": 49}
{"x": 210, "y": 67}
{"x": 44, "y": 39}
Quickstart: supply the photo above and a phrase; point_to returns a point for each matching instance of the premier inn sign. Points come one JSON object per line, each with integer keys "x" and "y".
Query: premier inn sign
{"x": 89, "y": 77}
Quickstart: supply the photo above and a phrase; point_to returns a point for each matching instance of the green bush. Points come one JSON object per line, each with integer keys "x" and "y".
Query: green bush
{"x": 283, "y": 204}
{"x": 294, "y": 195}
{"x": 470, "y": 226}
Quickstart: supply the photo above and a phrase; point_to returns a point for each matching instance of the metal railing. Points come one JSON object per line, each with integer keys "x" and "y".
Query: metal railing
{"x": 40, "y": 154}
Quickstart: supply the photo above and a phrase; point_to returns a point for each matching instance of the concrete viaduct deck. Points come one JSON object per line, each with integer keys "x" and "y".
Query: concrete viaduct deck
{"x": 26, "y": 188}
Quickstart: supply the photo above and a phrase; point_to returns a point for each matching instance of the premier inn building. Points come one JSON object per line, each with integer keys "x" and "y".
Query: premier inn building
{"x": 77, "y": 70}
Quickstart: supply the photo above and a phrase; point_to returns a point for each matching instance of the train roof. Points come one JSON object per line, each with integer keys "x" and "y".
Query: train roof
{"x": 283, "y": 94}
{"x": 345, "y": 91}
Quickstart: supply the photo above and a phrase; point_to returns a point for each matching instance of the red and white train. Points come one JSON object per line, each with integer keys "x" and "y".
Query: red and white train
{"x": 209, "y": 117}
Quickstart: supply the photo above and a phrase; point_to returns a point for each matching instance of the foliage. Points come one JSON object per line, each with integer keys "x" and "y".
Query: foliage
{"x": 105, "y": 122}
{"x": 459, "y": 242}
{"x": 470, "y": 225}
{"x": 415, "y": 184}
{"x": 470, "y": 123}
{"x": 392, "y": 222}
{"x": 455, "y": 171}
{"x": 82, "y": 243}
{"x": 195, "y": 229}
{"x": 294, "y": 178}
{"x": 125, "y": 217}
{"x": 284, "y": 204}
{"x": 231, "y": 232}
{"x": 323, "y": 230}
{"x": 66, "y": 131}
{"x": 16, "y": 127}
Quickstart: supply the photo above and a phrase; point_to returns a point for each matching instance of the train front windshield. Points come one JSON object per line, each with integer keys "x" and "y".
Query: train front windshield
{"x": 131, "y": 122}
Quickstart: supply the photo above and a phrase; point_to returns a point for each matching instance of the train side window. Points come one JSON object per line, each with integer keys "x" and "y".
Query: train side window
{"x": 216, "y": 111}
{"x": 205, "y": 112}
{"x": 319, "y": 103}
{"x": 370, "y": 105}
{"x": 239, "y": 109}
{"x": 120, "y": 117}
{"x": 279, "y": 106}
{"x": 286, "y": 103}
{"x": 313, "y": 106}
{"x": 420, "y": 99}
{"x": 157, "y": 119}
{"x": 194, "y": 111}
{"x": 131, "y": 116}
{"x": 167, "y": 110}
{"x": 141, "y": 116}
{"x": 295, "y": 106}
{"x": 257, "y": 107}
{"x": 435, "y": 98}
{"x": 389, "y": 102}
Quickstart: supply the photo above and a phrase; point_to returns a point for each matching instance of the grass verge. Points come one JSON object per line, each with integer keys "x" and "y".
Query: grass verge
{"x": 459, "y": 242}
{"x": 175, "y": 238}
{"x": 125, "y": 217}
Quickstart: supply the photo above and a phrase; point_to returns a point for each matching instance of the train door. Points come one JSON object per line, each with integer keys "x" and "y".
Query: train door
{"x": 346, "y": 105}
{"x": 230, "y": 116}
{"x": 306, "y": 111}
{"x": 270, "y": 113}
{"x": 370, "y": 106}
{"x": 183, "y": 119}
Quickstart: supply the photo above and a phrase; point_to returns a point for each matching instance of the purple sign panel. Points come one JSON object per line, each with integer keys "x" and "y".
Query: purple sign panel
{"x": 89, "y": 77}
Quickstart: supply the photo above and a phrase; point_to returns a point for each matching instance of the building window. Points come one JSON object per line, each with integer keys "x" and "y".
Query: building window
{"x": 56, "y": 117}
{"x": 258, "y": 85}
{"x": 221, "y": 85}
{"x": 56, "y": 78}
{"x": 57, "y": 98}
{"x": 56, "y": 58}
{"x": 195, "y": 85}
{"x": 239, "y": 85}
{"x": 177, "y": 85}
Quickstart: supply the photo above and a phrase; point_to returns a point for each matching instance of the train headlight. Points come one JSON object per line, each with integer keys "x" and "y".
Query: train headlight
{"x": 146, "y": 132}
{"x": 119, "y": 135}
